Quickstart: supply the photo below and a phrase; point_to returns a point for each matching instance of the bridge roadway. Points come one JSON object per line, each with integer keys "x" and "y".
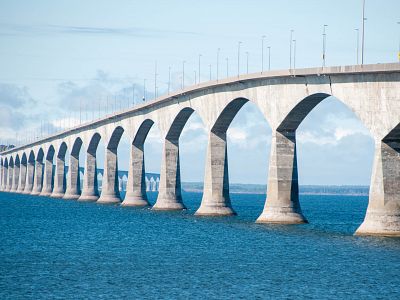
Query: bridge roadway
{"x": 284, "y": 97}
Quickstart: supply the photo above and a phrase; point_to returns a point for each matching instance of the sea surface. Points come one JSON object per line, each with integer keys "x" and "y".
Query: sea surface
{"x": 59, "y": 249}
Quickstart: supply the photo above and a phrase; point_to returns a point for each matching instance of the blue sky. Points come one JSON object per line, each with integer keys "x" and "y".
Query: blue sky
{"x": 55, "y": 54}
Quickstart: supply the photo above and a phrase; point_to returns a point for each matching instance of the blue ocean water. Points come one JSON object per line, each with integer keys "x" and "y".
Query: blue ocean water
{"x": 52, "y": 248}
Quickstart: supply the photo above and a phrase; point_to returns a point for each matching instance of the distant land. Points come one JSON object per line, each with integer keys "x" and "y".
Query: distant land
{"x": 239, "y": 188}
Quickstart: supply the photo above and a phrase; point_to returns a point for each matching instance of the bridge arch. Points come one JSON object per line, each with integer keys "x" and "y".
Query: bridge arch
{"x": 59, "y": 182}
{"x": 23, "y": 170}
{"x": 38, "y": 177}
{"x": 48, "y": 178}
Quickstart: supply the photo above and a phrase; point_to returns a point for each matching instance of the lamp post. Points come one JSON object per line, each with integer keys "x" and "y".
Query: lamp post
{"x": 183, "y": 74}
{"x": 294, "y": 54}
{"x": 247, "y": 62}
{"x": 363, "y": 33}
{"x": 324, "y": 45}
{"x": 291, "y": 39}
{"x": 262, "y": 53}
{"x": 169, "y": 79}
{"x": 239, "y": 43}
{"x": 398, "y": 52}
{"x": 358, "y": 43}
{"x": 195, "y": 76}
{"x": 218, "y": 50}
{"x": 227, "y": 67}
{"x": 199, "y": 67}
{"x": 269, "y": 58}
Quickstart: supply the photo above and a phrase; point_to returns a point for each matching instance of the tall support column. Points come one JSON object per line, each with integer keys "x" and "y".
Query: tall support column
{"x": 169, "y": 193}
{"x": 109, "y": 190}
{"x": 30, "y": 173}
{"x": 383, "y": 212}
{"x": 15, "y": 181}
{"x": 59, "y": 179}
{"x": 282, "y": 204}
{"x": 10, "y": 177}
{"x": 38, "y": 178}
{"x": 2, "y": 182}
{"x": 136, "y": 185}
{"x": 22, "y": 178}
{"x": 73, "y": 179}
{"x": 216, "y": 200}
{"x": 90, "y": 185}
{"x": 48, "y": 178}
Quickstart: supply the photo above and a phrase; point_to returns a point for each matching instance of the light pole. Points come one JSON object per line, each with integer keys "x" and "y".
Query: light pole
{"x": 269, "y": 58}
{"x": 183, "y": 75}
{"x": 144, "y": 90}
{"x": 195, "y": 76}
{"x": 155, "y": 80}
{"x": 169, "y": 79}
{"x": 358, "y": 43}
{"x": 239, "y": 43}
{"x": 247, "y": 62}
{"x": 398, "y": 52}
{"x": 363, "y": 33}
{"x": 227, "y": 67}
{"x": 294, "y": 54}
{"x": 291, "y": 39}
{"x": 262, "y": 53}
{"x": 218, "y": 50}
{"x": 199, "y": 67}
{"x": 324, "y": 45}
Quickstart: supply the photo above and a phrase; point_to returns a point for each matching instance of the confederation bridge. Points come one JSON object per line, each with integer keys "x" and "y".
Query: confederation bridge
{"x": 284, "y": 97}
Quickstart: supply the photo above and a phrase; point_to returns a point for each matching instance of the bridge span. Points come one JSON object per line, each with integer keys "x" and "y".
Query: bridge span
{"x": 284, "y": 97}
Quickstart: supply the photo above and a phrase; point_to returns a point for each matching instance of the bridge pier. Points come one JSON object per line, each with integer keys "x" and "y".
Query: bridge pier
{"x": 216, "y": 200}
{"x": 73, "y": 179}
{"x": 59, "y": 179}
{"x": 169, "y": 191}
{"x": 15, "y": 181}
{"x": 38, "y": 178}
{"x": 30, "y": 172}
{"x": 282, "y": 205}
{"x": 47, "y": 178}
{"x": 9, "y": 178}
{"x": 383, "y": 213}
{"x": 110, "y": 188}
{"x": 90, "y": 186}
{"x": 136, "y": 186}
{"x": 22, "y": 178}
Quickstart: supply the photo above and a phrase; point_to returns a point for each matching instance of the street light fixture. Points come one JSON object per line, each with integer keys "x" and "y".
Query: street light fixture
{"x": 294, "y": 54}
{"x": 239, "y": 43}
{"x": 262, "y": 53}
{"x": 363, "y": 32}
{"x": 324, "y": 46}
{"x": 358, "y": 43}
{"x": 291, "y": 39}
{"x": 269, "y": 58}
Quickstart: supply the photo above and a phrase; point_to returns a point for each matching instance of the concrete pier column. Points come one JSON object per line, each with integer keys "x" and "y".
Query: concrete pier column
{"x": 22, "y": 177}
{"x": 73, "y": 179}
{"x": 5, "y": 178}
{"x": 383, "y": 212}
{"x": 30, "y": 173}
{"x": 38, "y": 178}
{"x": 59, "y": 178}
{"x": 136, "y": 185}
{"x": 47, "y": 178}
{"x": 169, "y": 193}
{"x": 282, "y": 204}
{"x": 216, "y": 200}
{"x": 90, "y": 185}
{"x": 1, "y": 175}
{"x": 15, "y": 181}
{"x": 109, "y": 190}
{"x": 10, "y": 177}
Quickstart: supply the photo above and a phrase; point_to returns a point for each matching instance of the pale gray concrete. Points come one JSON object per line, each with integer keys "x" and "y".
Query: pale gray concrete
{"x": 73, "y": 190}
{"x": 22, "y": 174}
{"x": 38, "y": 177}
{"x": 48, "y": 173}
{"x": 285, "y": 98}
{"x": 90, "y": 185}
{"x": 59, "y": 176}
{"x": 15, "y": 180}
{"x": 30, "y": 172}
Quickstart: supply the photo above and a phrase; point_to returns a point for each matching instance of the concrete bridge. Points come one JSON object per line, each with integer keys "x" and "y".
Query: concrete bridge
{"x": 285, "y": 98}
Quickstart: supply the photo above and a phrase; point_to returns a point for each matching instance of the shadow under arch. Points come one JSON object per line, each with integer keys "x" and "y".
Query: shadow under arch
{"x": 15, "y": 181}
{"x": 10, "y": 173}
